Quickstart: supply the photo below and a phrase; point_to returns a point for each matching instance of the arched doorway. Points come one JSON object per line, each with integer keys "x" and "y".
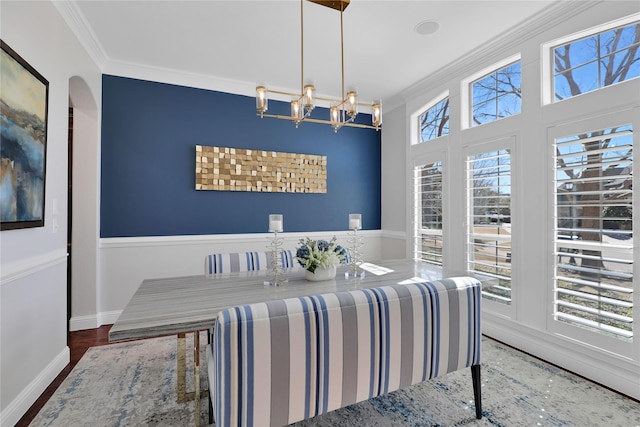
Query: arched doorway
{"x": 84, "y": 165}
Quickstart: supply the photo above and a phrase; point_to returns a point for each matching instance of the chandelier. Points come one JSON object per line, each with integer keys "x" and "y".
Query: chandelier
{"x": 342, "y": 112}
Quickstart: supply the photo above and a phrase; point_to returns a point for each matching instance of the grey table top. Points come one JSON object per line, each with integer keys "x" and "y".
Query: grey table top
{"x": 185, "y": 304}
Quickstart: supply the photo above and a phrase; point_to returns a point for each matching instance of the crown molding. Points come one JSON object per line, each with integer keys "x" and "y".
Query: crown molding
{"x": 76, "y": 21}
{"x": 178, "y": 77}
{"x": 196, "y": 80}
{"x": 552, "y": 16}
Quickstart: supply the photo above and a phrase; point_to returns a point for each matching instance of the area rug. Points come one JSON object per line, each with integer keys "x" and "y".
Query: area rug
{"x": 134, "y": 384}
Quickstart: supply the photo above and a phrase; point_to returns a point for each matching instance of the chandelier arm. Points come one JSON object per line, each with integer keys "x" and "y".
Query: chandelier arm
{"x": 343, "y": 101}
{"x": 319, "y": 98}
{"x": 326, "y": 122}
{"x": 281, "y": 92}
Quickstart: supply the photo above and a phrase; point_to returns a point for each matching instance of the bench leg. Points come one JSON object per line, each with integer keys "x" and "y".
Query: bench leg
{"x": 209, "y": 341}
{"x": 477, "y": 392}
{"x": 210, "y": 412}
{"x": 196, "y": 373}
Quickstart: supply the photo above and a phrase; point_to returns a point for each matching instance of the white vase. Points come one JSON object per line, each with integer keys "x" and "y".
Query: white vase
{"x": 320, "y": 274}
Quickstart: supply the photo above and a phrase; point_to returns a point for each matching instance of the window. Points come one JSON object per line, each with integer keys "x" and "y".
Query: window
{"x": 489, "y": 233}
{"x": 428, "y": 212}
{"x": 435, "y": 121}
{"x": 593, "y": 234}
{"x": 596, "y": 61}
{"x": 496, "y": 95}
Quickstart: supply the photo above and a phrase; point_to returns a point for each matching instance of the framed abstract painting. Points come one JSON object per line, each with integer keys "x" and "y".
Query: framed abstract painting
{"x": 24, "y": 96}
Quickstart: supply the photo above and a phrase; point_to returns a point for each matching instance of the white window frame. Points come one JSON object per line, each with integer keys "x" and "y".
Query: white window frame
{"x": 415, "y": 137}
{"x": 466, "y": 114}
{"x": 503, "y": 143}
{"x": 434, "y": 157}
{"x": 548, "y": 61}
{"x": 573, "y": 332}
{"x": 417, "y": 211}
{"x": 416, "y": 118}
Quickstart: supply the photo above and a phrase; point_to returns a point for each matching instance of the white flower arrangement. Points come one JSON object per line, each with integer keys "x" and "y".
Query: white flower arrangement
{"x": 319, "y": 253}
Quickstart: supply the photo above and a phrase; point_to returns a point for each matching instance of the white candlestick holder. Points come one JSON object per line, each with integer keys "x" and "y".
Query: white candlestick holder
{"x": 355, "y": 243}
{"x": 275, "y": 247}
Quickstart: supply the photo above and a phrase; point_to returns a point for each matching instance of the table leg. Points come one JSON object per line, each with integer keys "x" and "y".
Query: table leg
{"x": 196, "y": 373}
{"x": 181, "y": 367}
{"x": 181, "y": 370}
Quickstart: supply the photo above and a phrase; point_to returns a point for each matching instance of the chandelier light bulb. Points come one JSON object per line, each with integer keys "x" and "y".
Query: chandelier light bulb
{"x": 296, "y": 111}
{"x": 352, "y": 101}
{"x": 309, "y": 91}
{"x": 262, "y": 102}
{"x": 376, "y": 113}
{"x": 335, "y": 114}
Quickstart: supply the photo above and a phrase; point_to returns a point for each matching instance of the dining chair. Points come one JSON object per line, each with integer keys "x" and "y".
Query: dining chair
{"x": 244, "y": 261}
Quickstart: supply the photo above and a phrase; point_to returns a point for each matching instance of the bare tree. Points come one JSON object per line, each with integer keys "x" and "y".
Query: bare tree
{"x": 435, "y": 121}
{"x": 501, "y": 90}
{"x": 616, "y": 61}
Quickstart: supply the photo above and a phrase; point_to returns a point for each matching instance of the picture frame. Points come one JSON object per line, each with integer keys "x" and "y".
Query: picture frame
{"x": 24, "y": 101}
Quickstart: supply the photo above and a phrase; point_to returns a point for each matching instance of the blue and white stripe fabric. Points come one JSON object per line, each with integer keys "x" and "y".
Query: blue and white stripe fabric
{"x": 243, "y": 261}
{"x": 278, "y": 362}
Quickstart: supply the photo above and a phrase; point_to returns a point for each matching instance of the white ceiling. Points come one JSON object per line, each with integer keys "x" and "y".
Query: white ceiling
{"x": 259, "y": 41}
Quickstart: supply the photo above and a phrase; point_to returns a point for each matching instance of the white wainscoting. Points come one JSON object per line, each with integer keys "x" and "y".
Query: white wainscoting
{"x": 126, "y": 262}
{"x": 33, "y": 350}
{"x": 394, "y": 245}
{"x": 16, "y": 270}
{"x": 21, "y": 404}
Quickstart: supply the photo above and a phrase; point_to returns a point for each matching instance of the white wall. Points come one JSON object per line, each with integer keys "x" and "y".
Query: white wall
{"x": 394, "y": 185}
{"x": 85, "y": 200}
{"x": 33, "y": 296}
{"x": 528, "y": 323}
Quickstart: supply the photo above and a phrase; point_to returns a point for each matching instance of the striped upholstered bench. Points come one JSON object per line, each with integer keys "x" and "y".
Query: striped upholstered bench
{"x": 278, "y": 362}
{"x": 244, "y": 261}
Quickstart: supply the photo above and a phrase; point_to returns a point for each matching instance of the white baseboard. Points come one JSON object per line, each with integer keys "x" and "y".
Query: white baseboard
{"x": 108, "y": 317}
{"x": 620, "y": 374}
{"x": 21, "y": 404}
{"x": 80, "y": 323}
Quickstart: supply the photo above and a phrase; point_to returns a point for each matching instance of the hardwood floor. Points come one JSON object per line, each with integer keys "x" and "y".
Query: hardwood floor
{"x": 79, "y": 343}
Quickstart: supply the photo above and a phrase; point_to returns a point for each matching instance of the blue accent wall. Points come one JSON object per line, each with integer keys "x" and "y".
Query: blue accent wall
{"x": 149, "y": 134}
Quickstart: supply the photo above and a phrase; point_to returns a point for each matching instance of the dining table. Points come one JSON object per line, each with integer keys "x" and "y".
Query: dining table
{"x": 189, "y": 304}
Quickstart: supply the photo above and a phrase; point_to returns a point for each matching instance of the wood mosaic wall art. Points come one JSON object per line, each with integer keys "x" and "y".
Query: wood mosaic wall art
{"x": 236, "y": 169}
